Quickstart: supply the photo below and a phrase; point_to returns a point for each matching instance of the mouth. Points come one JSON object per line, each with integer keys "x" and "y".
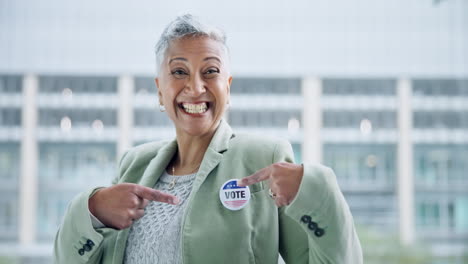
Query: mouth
{"x": 196, "y": 108}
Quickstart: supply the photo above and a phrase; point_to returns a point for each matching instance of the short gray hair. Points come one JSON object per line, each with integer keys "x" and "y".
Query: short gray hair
{"x": 186, "y": 26}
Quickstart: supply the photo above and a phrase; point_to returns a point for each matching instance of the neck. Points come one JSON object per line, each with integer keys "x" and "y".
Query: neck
{"x": 190, "y": 152}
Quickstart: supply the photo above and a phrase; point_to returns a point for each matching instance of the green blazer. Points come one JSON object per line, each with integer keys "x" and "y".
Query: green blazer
{"x": 317, "y": 227}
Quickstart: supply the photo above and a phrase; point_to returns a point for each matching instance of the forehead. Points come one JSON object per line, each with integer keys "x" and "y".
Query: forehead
{"x": 188, "y": 47}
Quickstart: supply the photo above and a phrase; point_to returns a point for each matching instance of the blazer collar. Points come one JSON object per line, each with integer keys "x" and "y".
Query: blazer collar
{"x": 220, "y": 140}
{"x": 219, "y": 143}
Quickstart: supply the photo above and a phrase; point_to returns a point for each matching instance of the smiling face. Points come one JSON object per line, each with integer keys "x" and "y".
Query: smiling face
{"x": 193, "y": 84}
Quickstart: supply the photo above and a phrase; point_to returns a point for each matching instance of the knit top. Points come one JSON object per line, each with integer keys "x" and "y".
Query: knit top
{"x": 156, "y": 237}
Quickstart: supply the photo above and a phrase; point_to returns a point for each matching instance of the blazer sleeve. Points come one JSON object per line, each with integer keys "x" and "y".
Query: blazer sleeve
{"x": 317, "y": 227}
{"x": 76, "y": 241}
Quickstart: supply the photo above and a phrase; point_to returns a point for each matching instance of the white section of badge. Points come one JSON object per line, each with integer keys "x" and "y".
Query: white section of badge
{"x": 234, "y": 198}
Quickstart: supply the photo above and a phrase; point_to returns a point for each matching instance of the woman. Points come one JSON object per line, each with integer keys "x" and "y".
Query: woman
{"x": 210, "y": 195}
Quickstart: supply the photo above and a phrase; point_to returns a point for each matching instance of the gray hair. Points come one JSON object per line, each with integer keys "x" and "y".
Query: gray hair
{"x": 186, "y": 26}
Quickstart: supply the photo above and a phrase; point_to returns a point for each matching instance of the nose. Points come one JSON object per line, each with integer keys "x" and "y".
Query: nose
{"x": 195, "y": 86}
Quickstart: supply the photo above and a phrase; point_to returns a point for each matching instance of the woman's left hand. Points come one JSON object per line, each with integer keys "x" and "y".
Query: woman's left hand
{"x": 284, "y": 180}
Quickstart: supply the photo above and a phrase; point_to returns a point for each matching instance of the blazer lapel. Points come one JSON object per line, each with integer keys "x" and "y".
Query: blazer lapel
{"x": 213, "y": 155}
{"x": 158, "y": 164}
{"x": 151, "y": 175}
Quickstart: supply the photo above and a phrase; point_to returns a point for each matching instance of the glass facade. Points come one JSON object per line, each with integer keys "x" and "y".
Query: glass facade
{"x": 9, "y": 175}
{"x": 65, "y": 169}
{"x": 442, "y": 187}
{"x": 366, "y": 168}
{"x": 366, "y": 174}
{"x": 440, "y": 162}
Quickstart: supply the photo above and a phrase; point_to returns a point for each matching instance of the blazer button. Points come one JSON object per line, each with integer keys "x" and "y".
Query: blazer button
{"x": 319, "y": 232}
{"x": 87, "y": 247}
{"x": 312, "y": 225}
{"x": 90, "y": 242}
{"x": 81, "y": 252}
{"x": 306, "y": 219}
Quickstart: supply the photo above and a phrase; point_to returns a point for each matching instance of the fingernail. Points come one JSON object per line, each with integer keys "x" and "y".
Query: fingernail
{"x": 175, "y": 200}
{"x": 239, "y": 183}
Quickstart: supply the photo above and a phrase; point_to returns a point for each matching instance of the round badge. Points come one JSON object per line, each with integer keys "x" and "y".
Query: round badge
{"x": 234, "y": 197}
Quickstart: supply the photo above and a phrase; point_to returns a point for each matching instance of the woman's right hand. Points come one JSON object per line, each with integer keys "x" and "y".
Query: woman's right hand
{"x": 121, "y": 204}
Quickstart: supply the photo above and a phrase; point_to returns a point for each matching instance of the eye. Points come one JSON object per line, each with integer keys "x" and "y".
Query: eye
{"x": 211, "y": 72}
{"x": 179, "y": 73}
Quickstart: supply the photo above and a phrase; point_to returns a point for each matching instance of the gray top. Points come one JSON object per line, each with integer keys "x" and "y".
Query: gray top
{"x": 155, "y": 238}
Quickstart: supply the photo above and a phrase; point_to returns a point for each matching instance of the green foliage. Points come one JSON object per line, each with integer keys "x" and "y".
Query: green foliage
{"x": 8, "y": 260}
{"x": 384, "y": 248}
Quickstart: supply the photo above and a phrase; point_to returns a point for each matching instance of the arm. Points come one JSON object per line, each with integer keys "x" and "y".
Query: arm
{"x": 317, "y": 226}
{"x": 321, "y": 220}
{"x": 76, "y": 240}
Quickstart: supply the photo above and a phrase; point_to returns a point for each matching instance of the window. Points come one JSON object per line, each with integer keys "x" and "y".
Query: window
{"x": 9, "y": 161}
{"x": 78, "y": 117}
{"x": 440, "y": 164}
{"x": 10, "y": 117}
{"x": 359, "y": 87}
{"x": 8, "y": 216}
{"x": 460, "y": 214}
{"x": 361, "y": 165}
{"x": 428, "y": 214}
{"x": 75, "y": 163}
{"x": 264, "y": 118}
{"x": 439, "y": 119}
{"x": 151, "y": 117}
{"x": 266, "y": 86}
{"x": 352, "y": 119}
{"x": 440, "y": 87}
{"x": 82, "y": 84}
{"x": 145, "y": 85}
{"x": 10, "y": 84}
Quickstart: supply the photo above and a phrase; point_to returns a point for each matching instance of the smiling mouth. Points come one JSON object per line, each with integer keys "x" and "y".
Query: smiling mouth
{"x": 195, "y": 108}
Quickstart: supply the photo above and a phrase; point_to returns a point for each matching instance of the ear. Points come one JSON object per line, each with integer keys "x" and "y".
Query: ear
{"x": 156, "y": 81}
{"x": 229, "y": 89}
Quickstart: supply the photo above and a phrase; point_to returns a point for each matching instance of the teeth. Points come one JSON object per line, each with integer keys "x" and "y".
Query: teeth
{"x": 195, "y": 108}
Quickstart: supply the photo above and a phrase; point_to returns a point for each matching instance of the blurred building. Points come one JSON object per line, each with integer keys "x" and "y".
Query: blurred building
{"x": 378, "y": 92}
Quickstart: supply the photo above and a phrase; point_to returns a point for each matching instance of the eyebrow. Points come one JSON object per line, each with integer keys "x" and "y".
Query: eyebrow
{"x": 184, "y": 59}
{"x": 177, "y": 58}
{"x": 212, "y": 58}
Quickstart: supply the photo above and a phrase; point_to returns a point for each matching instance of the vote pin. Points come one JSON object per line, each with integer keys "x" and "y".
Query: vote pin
{"x": 234, "y": 197}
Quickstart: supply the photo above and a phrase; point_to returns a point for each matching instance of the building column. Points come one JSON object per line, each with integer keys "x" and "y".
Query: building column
{"x": 405, "y": 162}
{"x": 311, "y": 120}
{"x": 29, "y": 159}
{"x": 126, "y": 87}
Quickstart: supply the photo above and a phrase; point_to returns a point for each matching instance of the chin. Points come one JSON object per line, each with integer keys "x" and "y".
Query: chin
{"x": 198, "y": 128}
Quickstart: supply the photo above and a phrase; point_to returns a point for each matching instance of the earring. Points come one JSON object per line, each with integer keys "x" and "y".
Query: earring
{"x": 162, "y": 108}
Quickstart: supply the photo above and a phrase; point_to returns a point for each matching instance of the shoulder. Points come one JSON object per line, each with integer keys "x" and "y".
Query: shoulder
{"x": 254, "y": 145}
{"x": 141, "y": 154}
{"x": 256, "y": 141}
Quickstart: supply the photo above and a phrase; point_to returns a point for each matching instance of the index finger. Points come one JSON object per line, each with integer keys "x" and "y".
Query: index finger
{"x": 155, "y": 195}
{"x": 258, "y": 176}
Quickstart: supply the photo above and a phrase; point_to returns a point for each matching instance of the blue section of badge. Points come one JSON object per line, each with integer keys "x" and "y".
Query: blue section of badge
{"x": 232, "y": 185}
